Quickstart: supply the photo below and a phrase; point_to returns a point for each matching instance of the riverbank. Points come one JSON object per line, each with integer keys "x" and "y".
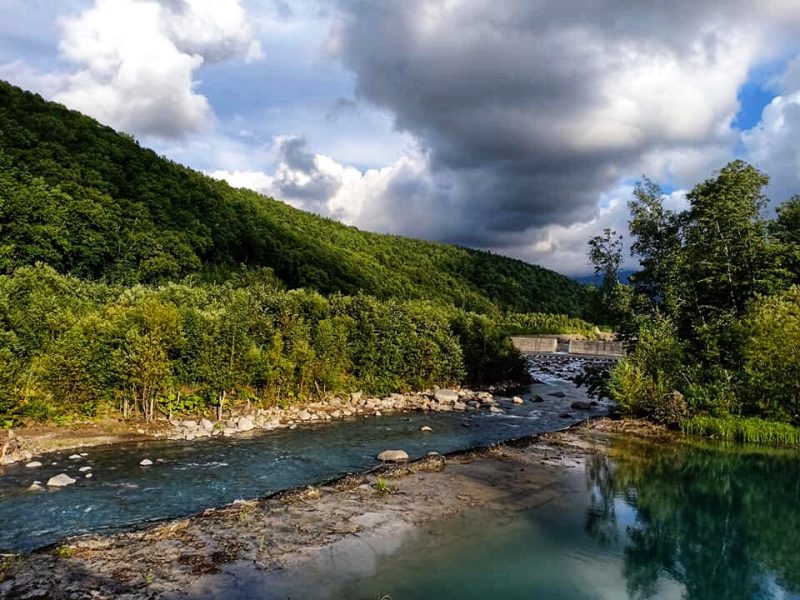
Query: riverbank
{"x": 216, "y": 553}
{"x": 23, "y": 444}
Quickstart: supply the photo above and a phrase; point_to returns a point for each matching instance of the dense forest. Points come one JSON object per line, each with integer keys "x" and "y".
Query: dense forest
{"x": 92, "y": 203}
{"x": 713, "y": 315}
{"x": 132, "y": 285}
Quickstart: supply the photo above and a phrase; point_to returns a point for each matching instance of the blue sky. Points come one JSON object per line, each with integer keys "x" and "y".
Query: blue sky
{"x": 519, "y": 127}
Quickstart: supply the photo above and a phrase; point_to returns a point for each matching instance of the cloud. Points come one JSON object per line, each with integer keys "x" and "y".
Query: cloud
{"x": 136, "y": 61}
{"x": 528, "y": 114}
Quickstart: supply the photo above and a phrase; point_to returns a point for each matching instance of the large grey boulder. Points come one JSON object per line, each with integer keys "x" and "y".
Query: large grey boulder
{"x": 60, "y": 480}
{"x": 446, "y": 396}
{"x": 393, "y": 456}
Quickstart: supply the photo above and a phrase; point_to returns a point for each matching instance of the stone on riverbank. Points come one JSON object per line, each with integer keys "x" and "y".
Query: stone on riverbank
{"x": 393, "y": 456}
{"x": 207, "y": 425}
{"x": 445, "y": 396}
{"x": 60, "y": 480}
{"x": 246, "y": 424}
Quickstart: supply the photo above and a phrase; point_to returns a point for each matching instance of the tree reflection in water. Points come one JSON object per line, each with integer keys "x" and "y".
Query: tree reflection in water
{"x": 722, "y": 521}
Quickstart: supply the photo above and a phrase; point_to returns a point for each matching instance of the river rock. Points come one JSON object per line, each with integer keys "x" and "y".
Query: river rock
{"x": 445, "y": 396}
{"x": 565, "y": 415}
{"x": 189, "y": 424}
{"x": 517, "y": 400}
{"x": 33, "y": 464}
{"x": 246, "y": 424}
{"x": 75, "y": 457}
{"x": 559, "y": 394}
{"x": 35, "y": 487}
{"x": 426, "y": 429}
{"x": 393, "y": 456}
{"x": 60, "y": 480}
{"x": 145, "y": 462}
{"x": 581, "y": 405}
{"x": 84, "y": 469}
{"x": 459, "y": 406}
{"x": 495, "y": 409}
{"x": 537, "y": 399}
{"x": 88, "y": 476}
{"x": 304, "y": 415}
{"x": 228, "y": 431}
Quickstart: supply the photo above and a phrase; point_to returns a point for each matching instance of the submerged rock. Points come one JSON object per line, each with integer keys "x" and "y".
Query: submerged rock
{"x": 581, "y": 405}
{"x": 393, "y": 455}
{"x": 60, "y": 480}
{"x": 537, "y": 399}
{"x": 35, "y": 487}
{"x": 559, "y": 394}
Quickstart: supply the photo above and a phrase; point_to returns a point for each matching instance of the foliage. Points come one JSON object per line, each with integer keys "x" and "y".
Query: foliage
{"x": 90, "y": 202}
{"x": 80, "y": 348}
{"x": 713, "y": 326}
{"x": 772, "y": 356}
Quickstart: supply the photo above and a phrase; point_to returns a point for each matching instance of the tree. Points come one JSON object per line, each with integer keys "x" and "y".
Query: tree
{"x": 605, "y": 254}
{"x": 656, "y": 233}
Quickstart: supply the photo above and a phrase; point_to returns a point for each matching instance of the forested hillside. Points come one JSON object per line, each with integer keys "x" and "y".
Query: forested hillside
{"x": 92, "y": 203}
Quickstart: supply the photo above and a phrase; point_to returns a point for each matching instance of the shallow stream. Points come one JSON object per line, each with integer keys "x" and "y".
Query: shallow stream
{"x": 187, "y": 477}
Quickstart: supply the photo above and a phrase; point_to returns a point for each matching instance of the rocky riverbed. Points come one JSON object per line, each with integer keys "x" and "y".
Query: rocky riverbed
{"x": 254, "y": 545}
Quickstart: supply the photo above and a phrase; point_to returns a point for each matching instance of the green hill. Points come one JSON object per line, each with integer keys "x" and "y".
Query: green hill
{"x": 92, "y": 203}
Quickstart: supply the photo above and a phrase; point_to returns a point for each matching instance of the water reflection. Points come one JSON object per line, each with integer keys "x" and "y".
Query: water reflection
{"x": 723, "y": 522}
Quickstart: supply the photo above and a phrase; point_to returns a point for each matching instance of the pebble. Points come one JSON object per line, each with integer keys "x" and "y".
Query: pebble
{"x": 146, "y": 462}
{"x": 88, "y": 476}
{"x": 84, "y": 469}
{"x": 33, "y": 464}
{"x": 75, "y": 457}
{"x": 425, "y": 429}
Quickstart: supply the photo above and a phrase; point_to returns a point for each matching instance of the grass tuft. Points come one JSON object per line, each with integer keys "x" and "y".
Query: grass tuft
{"x": 742, "y": 429}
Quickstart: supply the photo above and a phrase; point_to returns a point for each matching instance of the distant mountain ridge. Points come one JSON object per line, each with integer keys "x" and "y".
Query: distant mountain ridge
{"x": 91, "y": 202}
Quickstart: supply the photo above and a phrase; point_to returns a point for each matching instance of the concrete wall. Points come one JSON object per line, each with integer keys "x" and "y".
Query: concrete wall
{"x": 530, "y": 343}
{"x": 596, "y": 348}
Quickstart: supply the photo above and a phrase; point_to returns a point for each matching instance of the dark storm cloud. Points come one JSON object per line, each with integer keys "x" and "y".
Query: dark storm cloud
{"x": 528, "y": 110}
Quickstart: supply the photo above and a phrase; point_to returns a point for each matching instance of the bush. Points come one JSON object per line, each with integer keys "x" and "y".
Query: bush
{"x": 741, "y": 429}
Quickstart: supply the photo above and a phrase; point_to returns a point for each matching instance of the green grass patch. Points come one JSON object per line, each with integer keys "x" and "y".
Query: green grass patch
{"x": 741, "y": 429}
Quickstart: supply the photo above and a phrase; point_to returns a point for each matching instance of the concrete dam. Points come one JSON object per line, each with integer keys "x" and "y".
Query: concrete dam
{"x": 533, "y": 344}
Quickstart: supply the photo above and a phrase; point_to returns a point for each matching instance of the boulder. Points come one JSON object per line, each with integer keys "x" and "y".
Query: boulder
{"x": 228, "y": 431}
{"x": 246, "y": 424}
{"x": 189, "y": 424}
{"x": 445, "y": 396}
{"x": 425, "y": 429}
{"x": 60, "y": 480}
{"x": 517, "y": 400}
{"x": 459, "y": 406}
{"x": 495, "y": 409}
{"x": 393, "y": 456}
{"x": 145, "y": 462}
{"x": 305, "y": 415}
{"x": 35, "y": 487}
{"x": 33, "y": 464}
{"x": 581, "y": 405}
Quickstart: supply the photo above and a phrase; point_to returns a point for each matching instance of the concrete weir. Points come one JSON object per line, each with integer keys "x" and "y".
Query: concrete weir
{"x": 531, "y": 344}
{"x": 596, "y": 348}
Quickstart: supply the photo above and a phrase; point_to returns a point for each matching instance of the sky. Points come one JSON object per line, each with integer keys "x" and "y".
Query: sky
{"x": 517, "y": 126}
